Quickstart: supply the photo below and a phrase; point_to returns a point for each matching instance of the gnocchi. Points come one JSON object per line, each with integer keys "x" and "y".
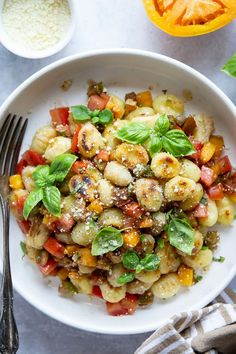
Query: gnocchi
{"x": 111, "y": 294}
{"x": 84, "y": 232}
{"x": 168, "y": 104}
{"x": 42, "y": 138}
{"x": 167, "y": 286}
{"x": 118, "y": 174}
{"x": 226, "y": 211}
{"x": 27, "y": 178}
{"x": 56, "y": 147}
{"x": 212, "y": 214}
{"x": 179, "y": 188}
{"x": 149, "y": 194}
{"x": 131, "y": 155}
{"x": 190, "y": 170}
{"x": 90, "y": 141}
{"x": 165, "y": 165}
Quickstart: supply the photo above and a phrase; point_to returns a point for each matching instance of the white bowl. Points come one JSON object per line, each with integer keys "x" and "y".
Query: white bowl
{"x": 13, "y": 46}
{"x": 121, "y": 70}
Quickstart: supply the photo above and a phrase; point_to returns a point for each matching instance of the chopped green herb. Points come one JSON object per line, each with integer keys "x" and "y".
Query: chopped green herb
{"x": 221, "y": 259}
{"x": 198, "y": 278}
{"x": 204, "y": 201}
{"x": 204, "y": 248}
{"x": 23, "y": 248}
{"x": 160, "y": 243}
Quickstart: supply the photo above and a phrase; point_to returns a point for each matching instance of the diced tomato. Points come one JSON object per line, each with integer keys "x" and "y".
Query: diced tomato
{"x": 74, "y": 143}
{"x": 103, "y": 155}
{"x": 208, "y": 176}
{"x": 216, "y": 192}
{"x": 59, "y": 116}
{"x": 224, "y": 165}
{"x": 20, "y": 204}
{"x": 80, "y": 165}
{"x": 49, "y": 267}
{"x": 24, "y": 226}
{"x": 29, "y": 158}
{"x": 133, "y": 209}
{"x": 197, "y": 146}
{"x": 20, "y": 166}
{"x": 230, "y": 184}
{"x": 97, "y": 102}
{"x": 200, "y": 211}
{"x": 126, "y": 306}
{"x": 96, "y": 291}
{"x": 64, "y": 223}
{"x": 54, "y": 247}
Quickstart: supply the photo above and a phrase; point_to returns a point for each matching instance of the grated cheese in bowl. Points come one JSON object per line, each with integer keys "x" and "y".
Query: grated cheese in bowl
{"x": 36, "y": 25}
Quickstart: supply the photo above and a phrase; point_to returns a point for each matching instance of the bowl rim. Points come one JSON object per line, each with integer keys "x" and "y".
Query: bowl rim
{"x": 134, "y": 52}
{"x": 31, "y": 54}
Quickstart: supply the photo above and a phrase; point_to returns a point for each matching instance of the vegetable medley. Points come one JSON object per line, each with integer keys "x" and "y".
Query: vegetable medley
{"x": 115, "y": 197}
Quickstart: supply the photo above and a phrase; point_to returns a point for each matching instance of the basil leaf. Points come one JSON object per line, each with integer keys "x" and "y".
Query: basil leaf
{"x": 105, "y": 116}
{"x": 108, "y": 239}
{"x": 95, "y": 120}
{"x": 155, "y": 145}
{"x": 52, "y": 200}
{"x": 125, "y": 278}
{"x": 95, "y": 113}
{"x": 149, "y": 263}
{"x": 130, "y": 260}
{"x": 32, "y": 200}
{"x": 230, "y": 67}
{"x": 61, "y": 166}
{"x": 162, "y": 124}
{"x": 80, "y": 113}
{"x": 41, "y": 176}
{"x": 135, "y": 133}
{"x": 177, "y": 143}
{"x": 181, "y": 235}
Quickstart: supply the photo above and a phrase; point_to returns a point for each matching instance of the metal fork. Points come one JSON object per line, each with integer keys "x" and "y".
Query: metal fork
{"x": 11, "y": 135}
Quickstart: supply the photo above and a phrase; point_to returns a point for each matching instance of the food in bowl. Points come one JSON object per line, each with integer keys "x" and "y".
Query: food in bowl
{"x": 115, "y": 197}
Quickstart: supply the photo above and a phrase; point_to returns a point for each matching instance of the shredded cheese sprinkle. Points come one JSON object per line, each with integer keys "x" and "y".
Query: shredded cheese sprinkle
{"x": 36, "y": 24}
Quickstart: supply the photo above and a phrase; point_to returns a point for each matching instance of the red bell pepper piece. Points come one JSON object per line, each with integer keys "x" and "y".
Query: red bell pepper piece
{"x": 49, "y": 267}
{"x": 216, "y": 192}
{"x": 59, "y": 116}
{"x": 208, "y": 176}
{"x": 126, "y": 306}
{"x": 54, "y": 247}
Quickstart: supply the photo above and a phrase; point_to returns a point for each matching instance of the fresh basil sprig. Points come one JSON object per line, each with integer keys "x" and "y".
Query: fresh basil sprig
{"x": 230, "y": 67}
{"x": 83, "y": 113}
{"x": 181, "y": 235}
{"x": 174, "y": 141}
{"x": 44, "y": 178}
{"x": 107, "y": 240}
{"x": 132, "y": 261}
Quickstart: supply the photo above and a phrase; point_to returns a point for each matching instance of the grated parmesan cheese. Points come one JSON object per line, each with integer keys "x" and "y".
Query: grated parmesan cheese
{"x": 36, "y": 24}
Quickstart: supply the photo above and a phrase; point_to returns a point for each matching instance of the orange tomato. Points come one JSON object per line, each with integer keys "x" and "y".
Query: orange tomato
{"x": 186, "y": 18}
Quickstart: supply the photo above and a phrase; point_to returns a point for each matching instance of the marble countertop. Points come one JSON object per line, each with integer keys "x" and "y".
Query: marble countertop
{"x": 107, "y": 24}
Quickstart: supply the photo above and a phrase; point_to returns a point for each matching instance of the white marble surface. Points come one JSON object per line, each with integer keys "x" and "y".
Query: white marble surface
{"x": 106, "y": 24}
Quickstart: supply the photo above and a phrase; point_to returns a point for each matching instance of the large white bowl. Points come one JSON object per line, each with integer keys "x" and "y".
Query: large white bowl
{"x": 121, "y": 71}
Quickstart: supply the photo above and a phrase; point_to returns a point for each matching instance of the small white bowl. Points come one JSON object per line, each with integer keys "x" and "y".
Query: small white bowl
{"x": 13, "y": 47}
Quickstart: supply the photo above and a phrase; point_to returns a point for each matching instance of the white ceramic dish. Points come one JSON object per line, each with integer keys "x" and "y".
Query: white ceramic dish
{"x": 13, "y": 46}
{"x": 121, "y": 71}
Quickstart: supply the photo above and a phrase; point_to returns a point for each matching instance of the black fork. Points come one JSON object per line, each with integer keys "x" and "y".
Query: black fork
{"x": 11, "y": 136}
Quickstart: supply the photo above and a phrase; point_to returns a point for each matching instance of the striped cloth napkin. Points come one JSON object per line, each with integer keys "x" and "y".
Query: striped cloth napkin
{"x": 210, "y": 330}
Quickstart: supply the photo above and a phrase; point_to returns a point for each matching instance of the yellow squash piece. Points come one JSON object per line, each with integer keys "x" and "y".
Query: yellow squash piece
{"x": 186, "y": 18}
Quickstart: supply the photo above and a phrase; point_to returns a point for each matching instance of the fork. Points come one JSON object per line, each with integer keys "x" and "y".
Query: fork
{"x": 11, "y": 136}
